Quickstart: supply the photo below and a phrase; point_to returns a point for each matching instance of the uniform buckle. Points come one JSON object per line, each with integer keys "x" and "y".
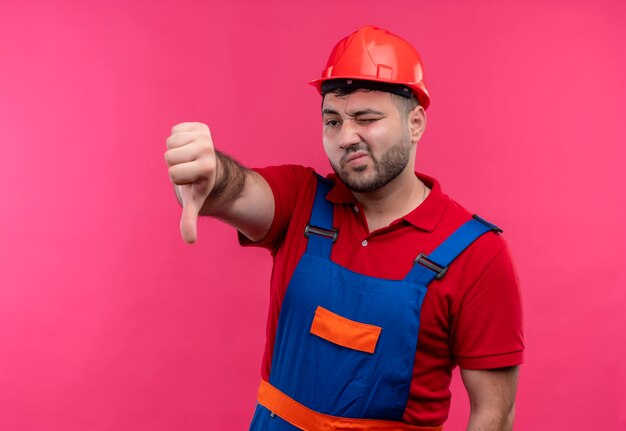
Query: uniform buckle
{"x": 328, "y": 233}
{"x": 491, "y": 226}
{"x": 423, "y": 260}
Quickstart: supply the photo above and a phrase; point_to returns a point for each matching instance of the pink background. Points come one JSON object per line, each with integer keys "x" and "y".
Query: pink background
{"x": 108, "y": 321}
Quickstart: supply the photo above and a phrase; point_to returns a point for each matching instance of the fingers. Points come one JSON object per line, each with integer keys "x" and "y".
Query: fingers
{"x": 188, "y": 127}
{"x": 180, "y": 139}
{"x": 191, "y": 172}
{"x": 190, "y": 155}
{"x": 185, "y": 133}
{"x": 186, "y": 153}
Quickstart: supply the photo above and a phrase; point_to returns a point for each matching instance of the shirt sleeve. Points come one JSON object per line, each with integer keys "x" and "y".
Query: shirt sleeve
{"x": 287, "y": 183}
{"x": 488, "y": 328}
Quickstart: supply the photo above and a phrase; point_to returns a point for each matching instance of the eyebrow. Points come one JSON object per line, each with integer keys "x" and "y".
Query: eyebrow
{"x": 328, "y": 111}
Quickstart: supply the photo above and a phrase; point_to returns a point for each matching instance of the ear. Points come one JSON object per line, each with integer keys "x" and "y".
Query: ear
{"x": 417, "y": 123}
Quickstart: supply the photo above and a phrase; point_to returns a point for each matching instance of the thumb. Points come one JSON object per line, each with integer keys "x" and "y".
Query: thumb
{"x": 189, "y": 217}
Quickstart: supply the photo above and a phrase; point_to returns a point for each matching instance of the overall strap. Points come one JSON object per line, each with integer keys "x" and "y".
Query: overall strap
{"x": 426, "y": 268}
{"x": 320, "y": 231}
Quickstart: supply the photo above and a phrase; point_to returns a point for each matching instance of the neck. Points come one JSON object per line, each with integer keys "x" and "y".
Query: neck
{"x": 398, "y": 198}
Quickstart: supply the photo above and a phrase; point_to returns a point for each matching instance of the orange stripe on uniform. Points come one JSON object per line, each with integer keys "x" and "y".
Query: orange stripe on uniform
{"x": 345, "y": 332}
{"x": 306, "y": 419}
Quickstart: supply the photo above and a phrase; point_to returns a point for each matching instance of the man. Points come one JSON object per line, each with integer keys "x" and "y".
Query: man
{"x": 381, "y": 283}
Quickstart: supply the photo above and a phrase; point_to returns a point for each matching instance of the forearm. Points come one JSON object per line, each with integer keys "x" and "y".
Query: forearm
{"x": 492, "y": 398}
{"x": 229, "y": 185}
{"x": 491, "y": 420}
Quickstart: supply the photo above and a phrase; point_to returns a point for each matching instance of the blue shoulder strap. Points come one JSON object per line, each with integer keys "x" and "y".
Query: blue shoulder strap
{"x": 426, "y": 268}
{"x": 320, "y": 231}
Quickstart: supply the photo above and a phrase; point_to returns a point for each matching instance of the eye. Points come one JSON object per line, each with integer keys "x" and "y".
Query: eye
{"x": 366, "y": 120}
{"x": 331, "y": 123}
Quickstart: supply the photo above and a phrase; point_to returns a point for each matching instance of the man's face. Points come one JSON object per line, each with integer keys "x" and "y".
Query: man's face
{"x": 366, "y": 138}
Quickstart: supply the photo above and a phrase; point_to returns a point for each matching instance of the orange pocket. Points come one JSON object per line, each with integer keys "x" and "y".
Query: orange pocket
{"x": 345, "y": 332}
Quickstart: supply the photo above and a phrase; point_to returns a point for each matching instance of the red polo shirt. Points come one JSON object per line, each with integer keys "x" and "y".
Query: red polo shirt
{"x": 472, "y": 317}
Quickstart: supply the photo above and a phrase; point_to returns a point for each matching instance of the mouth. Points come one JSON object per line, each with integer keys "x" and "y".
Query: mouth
{"x": 355, "y": 158}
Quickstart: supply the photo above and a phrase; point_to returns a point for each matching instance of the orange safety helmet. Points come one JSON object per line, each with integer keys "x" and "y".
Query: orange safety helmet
{"x": 374, "y": 54}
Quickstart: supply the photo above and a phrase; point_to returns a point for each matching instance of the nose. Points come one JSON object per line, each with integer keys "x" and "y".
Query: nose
{"x": 349, "y": 134}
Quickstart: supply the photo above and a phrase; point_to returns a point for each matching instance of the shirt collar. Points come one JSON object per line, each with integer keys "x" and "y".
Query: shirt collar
{"x": 426, "y": 216}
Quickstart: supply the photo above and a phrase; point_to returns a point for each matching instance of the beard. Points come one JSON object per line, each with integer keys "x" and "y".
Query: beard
{"x": 391, "y": 164}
